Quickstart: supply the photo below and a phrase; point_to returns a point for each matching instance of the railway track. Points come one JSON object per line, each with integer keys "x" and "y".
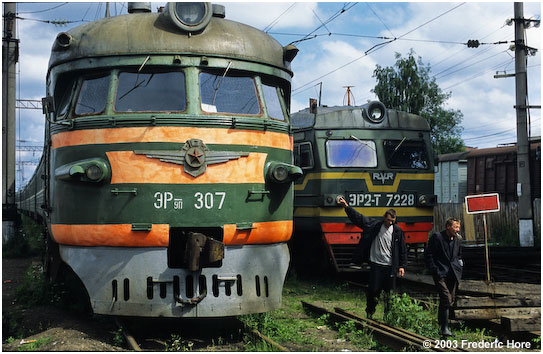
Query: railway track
{"x": 160, "y": 337}
{"x": 392, "y": 337}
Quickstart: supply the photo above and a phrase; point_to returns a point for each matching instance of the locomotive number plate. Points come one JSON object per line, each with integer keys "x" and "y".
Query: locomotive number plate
{"x": 208, "y": 200}
{"x": 381, "y": 199}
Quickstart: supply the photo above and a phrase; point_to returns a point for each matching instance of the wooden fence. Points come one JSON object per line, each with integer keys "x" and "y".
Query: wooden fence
{"x": 502, "y": 226}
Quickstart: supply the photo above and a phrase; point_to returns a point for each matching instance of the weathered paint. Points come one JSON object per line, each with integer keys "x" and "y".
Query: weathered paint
{"x": 173, "y": 135}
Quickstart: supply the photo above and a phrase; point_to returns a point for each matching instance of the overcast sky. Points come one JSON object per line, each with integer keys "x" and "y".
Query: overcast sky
{"x": 344, "y": 52}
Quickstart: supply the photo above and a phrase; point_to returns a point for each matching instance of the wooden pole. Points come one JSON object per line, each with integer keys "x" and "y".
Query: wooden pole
{"x": 486, "y": 250}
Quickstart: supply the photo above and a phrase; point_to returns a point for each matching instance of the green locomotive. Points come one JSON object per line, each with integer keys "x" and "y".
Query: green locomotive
{"x": 166, "y": 179}
{"x": 377, "y": 158}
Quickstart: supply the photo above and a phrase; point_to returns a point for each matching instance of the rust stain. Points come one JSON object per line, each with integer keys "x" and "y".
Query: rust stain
{"x": 127, "y": 167}
{"x": 172, "y": 135}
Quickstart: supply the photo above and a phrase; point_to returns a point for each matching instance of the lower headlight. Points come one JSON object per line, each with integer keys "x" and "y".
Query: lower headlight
{"x": 423, "y": 200}
{"x": 94, "y": 173}
{"x": 280, "y": 172}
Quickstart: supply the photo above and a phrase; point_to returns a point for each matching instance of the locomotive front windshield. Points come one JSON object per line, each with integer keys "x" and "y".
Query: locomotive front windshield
{"x": 154, "y": 92}
{"x": 163, "y": 90}
{"x": 92, "y": 98}
{"x": 228, "y": 94}
{"x": 409, "y": 154}
{"x": 351, "y": 153}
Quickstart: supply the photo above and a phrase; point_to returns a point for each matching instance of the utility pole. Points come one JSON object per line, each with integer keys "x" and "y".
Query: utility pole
{"x": 10, "y": 56}
{"x": 524, "y": 190}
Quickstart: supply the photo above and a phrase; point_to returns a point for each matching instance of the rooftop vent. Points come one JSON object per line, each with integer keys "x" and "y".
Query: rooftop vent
{"x": 136, "y": 7}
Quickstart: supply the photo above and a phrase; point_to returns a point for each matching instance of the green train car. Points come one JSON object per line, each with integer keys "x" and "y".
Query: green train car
{"x": 378, "y": 159}
{"x": 166, "y": 179}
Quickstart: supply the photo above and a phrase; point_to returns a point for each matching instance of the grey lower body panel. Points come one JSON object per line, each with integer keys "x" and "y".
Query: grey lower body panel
{"x": 138, "y": 281}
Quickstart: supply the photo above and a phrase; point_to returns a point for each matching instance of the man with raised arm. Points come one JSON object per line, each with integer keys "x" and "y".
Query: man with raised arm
{"x": 383, "y": 246}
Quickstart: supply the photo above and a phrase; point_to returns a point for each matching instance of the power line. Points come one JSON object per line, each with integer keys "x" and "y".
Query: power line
{"x": 435, "y": 18}
{"x": 330, "y": 19}
{"x": 467, "y": 66}
{"x": 497, "y": 133}
{"x": 274, "y": 22}
{"x": 384, "y": 24}
{"x": 373, "y": 49}
{"x": 463, "y": 81}
{"x": 35, "y": 12}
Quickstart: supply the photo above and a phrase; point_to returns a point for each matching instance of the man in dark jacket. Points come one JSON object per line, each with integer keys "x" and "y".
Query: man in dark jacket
{"x": 443, "y": 257}
{"x": 383, "y": 246}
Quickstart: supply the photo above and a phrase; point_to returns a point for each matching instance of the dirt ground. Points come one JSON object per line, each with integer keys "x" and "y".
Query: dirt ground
{"x": 50, "y": 328}
{"x": 47, "y": 328}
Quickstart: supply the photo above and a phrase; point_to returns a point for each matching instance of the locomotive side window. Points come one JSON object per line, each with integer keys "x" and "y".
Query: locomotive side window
{"x": 63, "y": 95}
{"x": 303, "y": 155}
{"x": 155, "y": 92}
{"x": 228, "y": 94}
{"x": 410, "y": 154}
{"x": 273, "y": 103}
{"x": 351, "y": 153}
{"x": 93, "y": 95}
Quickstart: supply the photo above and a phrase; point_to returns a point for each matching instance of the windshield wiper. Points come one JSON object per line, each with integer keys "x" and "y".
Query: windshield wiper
{"x": 219, "y": 83}
{"x": 136, "y": 84}
{"x": 396, "y": 149}
{"x": 361, "y": 142}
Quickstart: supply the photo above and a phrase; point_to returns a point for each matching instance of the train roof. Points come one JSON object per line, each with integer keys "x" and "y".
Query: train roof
{"x": 353, "y": 117}
{"x": 501, "y": 150}
{"x": 154, "y": 33}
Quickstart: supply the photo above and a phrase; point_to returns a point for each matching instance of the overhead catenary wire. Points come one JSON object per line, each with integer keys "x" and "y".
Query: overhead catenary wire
{"x": 379, "y": 18}
{"x": 330, "y": 19}
{"x": 437, "y": 77}
{"x": 40, "y": 11}
{"x": 372, "y": 49}
{"x": 276, "y": 20}
{"x": 463, "y": 81}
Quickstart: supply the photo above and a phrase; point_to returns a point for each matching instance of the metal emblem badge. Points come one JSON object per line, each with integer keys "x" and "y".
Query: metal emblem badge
{"x": 194, "y": 156}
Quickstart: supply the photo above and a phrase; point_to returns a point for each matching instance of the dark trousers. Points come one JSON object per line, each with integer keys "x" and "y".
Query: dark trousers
{"x": 380, "y": 280}
{"x": 446, "y": 288}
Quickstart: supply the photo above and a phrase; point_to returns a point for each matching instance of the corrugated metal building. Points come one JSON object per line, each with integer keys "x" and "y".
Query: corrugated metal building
{"x": 485, "y": 171}
{"x": 451, "y": 178}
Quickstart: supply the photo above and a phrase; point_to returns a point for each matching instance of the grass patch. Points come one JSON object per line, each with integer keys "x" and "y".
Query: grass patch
{"x": 33, "y": 346}
{"x": 292, "y": 328}
{"x": 407, "y": 313}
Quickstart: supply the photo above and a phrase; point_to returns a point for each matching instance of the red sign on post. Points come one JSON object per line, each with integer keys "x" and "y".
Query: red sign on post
{"x": 482, "y": 203}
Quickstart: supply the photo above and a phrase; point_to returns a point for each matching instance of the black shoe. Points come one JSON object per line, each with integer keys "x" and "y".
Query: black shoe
{"x": 446, "y": 332}
{"x": 369, "y": 316}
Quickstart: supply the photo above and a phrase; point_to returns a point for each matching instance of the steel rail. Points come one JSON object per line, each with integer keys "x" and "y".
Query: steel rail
{"x": 128, "y": 336}
{"x": 420, "y": 339}
{"x": 394, "y": 338}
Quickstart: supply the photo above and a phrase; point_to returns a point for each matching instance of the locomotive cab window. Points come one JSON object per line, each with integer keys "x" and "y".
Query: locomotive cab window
{"x": 273, "y": 101}
{"x": 93, "y": 95}
{"x": 351, "y": 153}
{"x": 303, "y": 155}
{"x": 150, "y": 92}
{"x": 411, "y": 154}
{"x": 63, "y": 95}
{"x": 228, "y": 94}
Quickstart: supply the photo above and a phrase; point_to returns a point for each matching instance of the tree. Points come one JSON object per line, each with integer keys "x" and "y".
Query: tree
{"x": 408, "y": 87}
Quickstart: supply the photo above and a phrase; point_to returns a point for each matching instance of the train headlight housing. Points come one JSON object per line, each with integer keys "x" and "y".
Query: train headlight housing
{"x": 94, "y": 173}
{"x": 375, "y": 112}
{"x": 190, "y": 16}
{"x": 89, "y": 170}
{"x": 427, "y": 200}
{"x": 279, "y": 172}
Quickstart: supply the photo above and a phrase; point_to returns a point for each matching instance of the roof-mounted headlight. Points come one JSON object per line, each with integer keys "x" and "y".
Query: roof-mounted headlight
{"x": 190, "y": 16}
{"x": 375, "y": 111}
